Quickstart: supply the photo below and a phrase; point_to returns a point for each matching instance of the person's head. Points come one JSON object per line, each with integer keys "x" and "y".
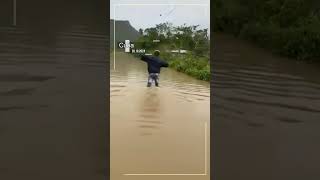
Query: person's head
{"x": 156, "y": 53}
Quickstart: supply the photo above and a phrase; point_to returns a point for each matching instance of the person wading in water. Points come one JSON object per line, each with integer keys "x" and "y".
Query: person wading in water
{"x": 154, "y": 66}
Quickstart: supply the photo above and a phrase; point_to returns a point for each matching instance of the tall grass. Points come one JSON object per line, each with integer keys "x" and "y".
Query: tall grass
{"x": 198, "y": 67}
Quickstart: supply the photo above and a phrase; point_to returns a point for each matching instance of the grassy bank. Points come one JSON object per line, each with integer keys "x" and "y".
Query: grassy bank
{"x": 287, "y": 27}
{"x": 198, "y": 67}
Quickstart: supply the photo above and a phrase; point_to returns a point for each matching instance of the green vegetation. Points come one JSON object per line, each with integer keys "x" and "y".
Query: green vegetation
{"x": 198, "y": 67}
{"x": 287, "y": 27}
{"x": 194, "y": 62}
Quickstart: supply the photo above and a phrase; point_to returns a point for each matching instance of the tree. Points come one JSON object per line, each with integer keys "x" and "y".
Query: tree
{"x": 152, "y": 33}
{"x": 201, "y": 40}
{"x": 141, "y": 31}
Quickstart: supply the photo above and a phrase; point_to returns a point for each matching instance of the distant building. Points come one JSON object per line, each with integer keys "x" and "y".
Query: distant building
{"x": 179, "y": 51}
{"x": 183, "y": 51}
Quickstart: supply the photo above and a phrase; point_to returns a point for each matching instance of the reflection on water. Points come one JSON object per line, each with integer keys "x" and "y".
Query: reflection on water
{"x": 150, "y": 113}
{"x": 157, "y": 130}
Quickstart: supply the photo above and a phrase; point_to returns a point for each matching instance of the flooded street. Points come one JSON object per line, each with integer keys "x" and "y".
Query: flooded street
{"x": 157, "y": 133}
{"x": 265, "y": 114}
{"x": 53, "y": 118}
{"x": 52, "y": 111}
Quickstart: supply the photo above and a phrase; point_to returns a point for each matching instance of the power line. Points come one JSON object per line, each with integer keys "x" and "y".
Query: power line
{"x": 166, "y": 15}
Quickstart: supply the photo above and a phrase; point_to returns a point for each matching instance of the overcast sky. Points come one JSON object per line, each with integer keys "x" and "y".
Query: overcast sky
{"x": 144, "y": 16}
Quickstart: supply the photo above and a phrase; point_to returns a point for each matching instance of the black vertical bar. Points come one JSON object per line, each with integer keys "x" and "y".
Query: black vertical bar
{"x": 14, "y": 12}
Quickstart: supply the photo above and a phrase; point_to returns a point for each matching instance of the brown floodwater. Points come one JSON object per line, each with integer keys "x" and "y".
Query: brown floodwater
{"x": 265, "y": 114}
{"x": 157, "y": 133}
{"x": 53, "y": 106}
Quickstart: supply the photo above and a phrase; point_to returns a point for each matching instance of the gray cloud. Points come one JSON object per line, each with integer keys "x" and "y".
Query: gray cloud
{"x": 144, "y": 16}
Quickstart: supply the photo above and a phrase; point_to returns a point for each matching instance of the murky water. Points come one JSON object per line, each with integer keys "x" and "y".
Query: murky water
{"x": 53, "y": 117}
{"x": 266, "y": 114}
{"x": 157, "y": 133}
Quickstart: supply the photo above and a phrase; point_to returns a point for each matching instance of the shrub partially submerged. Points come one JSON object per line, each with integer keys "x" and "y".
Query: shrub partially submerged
{"x": 198, "y": 67}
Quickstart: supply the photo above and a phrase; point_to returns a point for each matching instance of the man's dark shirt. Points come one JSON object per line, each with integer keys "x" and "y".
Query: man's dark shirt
{"x": 154, "y": 63}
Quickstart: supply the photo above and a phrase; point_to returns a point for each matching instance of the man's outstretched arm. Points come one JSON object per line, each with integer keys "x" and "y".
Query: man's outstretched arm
{"x": 144, "y": 58}
{"x": 165, "y": 64}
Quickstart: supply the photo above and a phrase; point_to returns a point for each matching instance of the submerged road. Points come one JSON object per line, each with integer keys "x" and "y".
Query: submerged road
{"x": 158, "y": 133}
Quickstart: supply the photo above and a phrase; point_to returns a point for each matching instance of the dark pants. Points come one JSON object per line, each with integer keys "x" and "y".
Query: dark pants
{"x": 153, "y": 77}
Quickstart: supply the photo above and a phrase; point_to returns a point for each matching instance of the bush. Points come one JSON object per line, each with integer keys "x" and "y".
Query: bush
{"x": 192, "y": 65}
{"x": 287, "y": 27}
